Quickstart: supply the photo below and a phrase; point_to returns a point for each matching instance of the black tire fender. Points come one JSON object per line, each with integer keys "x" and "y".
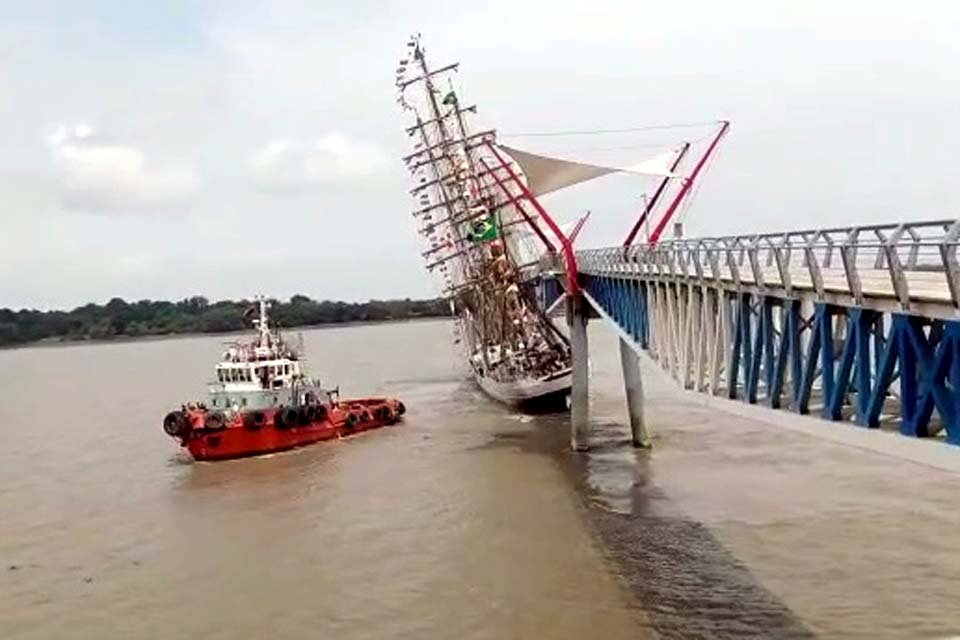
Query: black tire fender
{"x": 214, "y": 421}
{"x": 250, "y": 422}
{"x": 176, "y": 424}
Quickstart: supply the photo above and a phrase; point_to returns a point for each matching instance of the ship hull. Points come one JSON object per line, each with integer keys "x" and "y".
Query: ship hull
{"x": 535, "y": 396}
{"x": 244, "y": 439}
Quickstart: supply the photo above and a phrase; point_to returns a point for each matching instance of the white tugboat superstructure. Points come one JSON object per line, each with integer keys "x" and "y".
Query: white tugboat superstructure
{"x": 263, "y": 373}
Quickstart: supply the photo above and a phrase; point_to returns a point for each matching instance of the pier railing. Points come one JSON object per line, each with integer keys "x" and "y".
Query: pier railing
{"x": 911, "y": 266}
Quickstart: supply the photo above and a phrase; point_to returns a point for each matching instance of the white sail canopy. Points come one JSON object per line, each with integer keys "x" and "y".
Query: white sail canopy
{"x": 658, "y": 165}
{"x": 545, "y": 174}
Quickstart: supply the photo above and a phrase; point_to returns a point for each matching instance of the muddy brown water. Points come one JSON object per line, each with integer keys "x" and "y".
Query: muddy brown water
{"x": 464, "y": 522}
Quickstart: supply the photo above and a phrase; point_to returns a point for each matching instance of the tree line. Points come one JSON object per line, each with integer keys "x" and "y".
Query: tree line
{"x": 119, "y": 318}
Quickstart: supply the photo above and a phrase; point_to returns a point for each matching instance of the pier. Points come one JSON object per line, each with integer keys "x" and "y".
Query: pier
{"x": 855, "y": 324}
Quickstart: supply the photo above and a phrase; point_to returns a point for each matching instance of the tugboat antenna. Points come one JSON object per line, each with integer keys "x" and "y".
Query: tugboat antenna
{"x": 263, "y": 322}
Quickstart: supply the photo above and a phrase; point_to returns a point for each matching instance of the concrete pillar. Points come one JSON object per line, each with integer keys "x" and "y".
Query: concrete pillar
{"x": 633, "y": 385}
{"x": 577, "y": 317}
{"x": 677, "y": 230}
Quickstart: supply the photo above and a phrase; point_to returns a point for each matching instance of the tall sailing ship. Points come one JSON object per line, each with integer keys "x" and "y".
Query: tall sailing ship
{"x": 478, "y": 240}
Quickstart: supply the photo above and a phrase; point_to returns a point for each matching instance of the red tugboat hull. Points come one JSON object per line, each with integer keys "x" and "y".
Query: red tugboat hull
{"x": 270, "y": 431}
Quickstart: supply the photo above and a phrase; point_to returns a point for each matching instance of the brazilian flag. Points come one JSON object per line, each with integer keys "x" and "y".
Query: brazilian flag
{"x": 483, "y": 230}
{"x": 450, "y": 99}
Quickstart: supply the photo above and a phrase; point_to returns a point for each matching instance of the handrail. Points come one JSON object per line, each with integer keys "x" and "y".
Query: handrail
{"x": 771, "y": 260}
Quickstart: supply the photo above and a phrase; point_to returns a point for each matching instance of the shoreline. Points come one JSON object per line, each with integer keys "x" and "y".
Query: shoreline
{"x": 124, "y": 339}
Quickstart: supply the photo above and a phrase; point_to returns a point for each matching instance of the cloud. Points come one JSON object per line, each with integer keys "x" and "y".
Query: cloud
{"x": 103, "y": 176}
{"x": 286, "y": 163}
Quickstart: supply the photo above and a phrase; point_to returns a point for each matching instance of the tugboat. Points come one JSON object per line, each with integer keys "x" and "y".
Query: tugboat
{"x": 263, "y": 401}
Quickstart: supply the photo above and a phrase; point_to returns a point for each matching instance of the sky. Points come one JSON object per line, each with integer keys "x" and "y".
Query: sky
{"x": 227, "y": 148}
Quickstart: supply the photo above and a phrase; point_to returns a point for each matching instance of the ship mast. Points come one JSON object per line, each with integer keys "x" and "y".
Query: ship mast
{"x": 470, "y": 227}
{"x": 442, "y": 170}
{"x": 263, "y": 323}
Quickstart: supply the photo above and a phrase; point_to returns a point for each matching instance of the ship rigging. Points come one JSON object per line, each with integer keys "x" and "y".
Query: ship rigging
{"x": 488, "y": 236}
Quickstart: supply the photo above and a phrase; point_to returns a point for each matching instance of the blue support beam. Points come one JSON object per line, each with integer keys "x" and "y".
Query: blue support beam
{"x": 762, "y": 350}
{"x": 788, "y": 352}
{"x": 865, "y": 321}
{"x": 741, "y": 349}
{"x": 855, "y": 354}
{"x": 884, "y": 375}
{"x": 823, "y": 317}
{"x": 803, "y": 391}
{"x": 625, "y": 302}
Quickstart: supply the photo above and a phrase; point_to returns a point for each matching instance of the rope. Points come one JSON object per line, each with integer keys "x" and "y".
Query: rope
{"x": 651, "y": 145}
{"x": 648, "y": 145}
{"x": 588, "y": 132}
{"x": 688, "y": 201}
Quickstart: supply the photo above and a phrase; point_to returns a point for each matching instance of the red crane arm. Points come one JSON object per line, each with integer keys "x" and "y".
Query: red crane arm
{"x": 668, "y": 214}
